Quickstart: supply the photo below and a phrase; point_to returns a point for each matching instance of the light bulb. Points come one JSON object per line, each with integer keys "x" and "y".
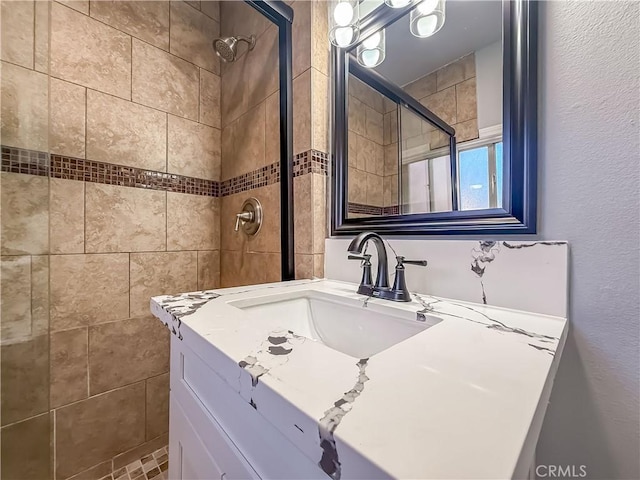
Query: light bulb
{"x": 427, "y": 25}
{"x": 344, "y": 36}
{"x": 397, "y": 3}
{"x": 343, "y": 14}
{"x": 427, "y": 18}
{"x": 370, "y": 58}
{"x": 427, "y": 6}
{"x": 372, "y": 41}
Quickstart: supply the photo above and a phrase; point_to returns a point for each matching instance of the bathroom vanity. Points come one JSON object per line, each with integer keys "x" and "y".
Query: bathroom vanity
{"x": 308, "y": 379}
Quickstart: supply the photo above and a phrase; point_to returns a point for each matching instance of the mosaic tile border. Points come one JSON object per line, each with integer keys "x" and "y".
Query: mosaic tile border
{"x": 31, "y": 162}
{"x": 150, "y": 467}
{"x": 363, "y": 209}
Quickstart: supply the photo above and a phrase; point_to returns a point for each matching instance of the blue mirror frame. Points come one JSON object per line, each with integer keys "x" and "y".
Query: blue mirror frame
{"x": 519, "y": 212}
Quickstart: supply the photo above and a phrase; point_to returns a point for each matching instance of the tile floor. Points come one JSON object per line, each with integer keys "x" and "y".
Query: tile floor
{"x": 150, "y": 467}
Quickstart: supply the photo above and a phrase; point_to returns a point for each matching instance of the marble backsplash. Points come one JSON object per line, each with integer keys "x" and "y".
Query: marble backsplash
{"x": 530, "y": 276}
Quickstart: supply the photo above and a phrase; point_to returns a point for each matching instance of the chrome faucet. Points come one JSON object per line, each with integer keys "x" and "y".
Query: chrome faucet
{"x": 399, "y": 291}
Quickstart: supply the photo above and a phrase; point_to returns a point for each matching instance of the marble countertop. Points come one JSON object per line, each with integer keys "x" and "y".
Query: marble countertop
{"x": 462, "y": 399}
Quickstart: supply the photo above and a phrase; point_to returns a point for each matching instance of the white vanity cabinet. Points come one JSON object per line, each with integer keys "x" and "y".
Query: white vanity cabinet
{"x": 215, "y": 434}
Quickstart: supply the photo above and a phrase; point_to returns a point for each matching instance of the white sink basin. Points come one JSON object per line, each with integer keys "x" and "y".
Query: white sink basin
{"x": 340, "y": 323}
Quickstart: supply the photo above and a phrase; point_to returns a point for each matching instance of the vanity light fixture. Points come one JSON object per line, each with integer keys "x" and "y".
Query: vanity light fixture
{"x": 371, "y": 51}
{"x": 397, "y": 3}
{"x": 344, "y": 22}
{"x": 427, "y": 18}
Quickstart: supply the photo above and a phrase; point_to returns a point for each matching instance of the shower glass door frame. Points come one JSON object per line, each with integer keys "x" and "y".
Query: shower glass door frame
{"x": 282, "y": 15}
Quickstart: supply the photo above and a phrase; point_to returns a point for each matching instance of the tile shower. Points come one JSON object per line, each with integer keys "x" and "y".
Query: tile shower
{"x": 127, "y": 150}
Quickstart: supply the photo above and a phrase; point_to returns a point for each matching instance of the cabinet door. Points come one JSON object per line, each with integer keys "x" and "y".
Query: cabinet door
{"x": 189, "y": 457}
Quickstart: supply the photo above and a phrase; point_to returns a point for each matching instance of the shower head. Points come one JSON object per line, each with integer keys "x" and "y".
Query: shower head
{"x": 227, "y": 47}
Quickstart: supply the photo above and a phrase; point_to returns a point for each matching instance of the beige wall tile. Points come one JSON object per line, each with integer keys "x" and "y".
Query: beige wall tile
{"x": 39, "y": 294}
{"x": 125, "y": 133}
{"x": 16, "y": 460}
{"x": 466, "y": 100}
{"x": 366, "y": 94}
{"x": 357, "y": 181}
{"x": 390, "y": 134}
{"x": 320, "y": 111}
{"x": 99, "y": 470}
{"x": 191, "y": 35}
{"x": 193, "y": 149}
{"x": 24, "y": 108}
{"x": 15, "y": 290}
{"x": 66, "y": 212}
{"x": 136, "y": 453}
{"x": 244, "y": 143}
{"x": 194, "y": 3}
{"x": 302, "y": 112}
{"x": 25, "y": 296}
{"x": 211, "y": 8}
{"x": 357, "y": 115}
{"x": 25, "y": 371}
{"x": 209, "y": 99}
{"x": 88, "y": 289}
{"x": 366, "y": 149}
{"x": 157, "y": 406}
{"x": 99, "y": 427}
{"x": 148, "y": 21}
{"x": 251, "y": 78}
{"x": 124, "y": 219}
{"x": 422, "y": 87}
{"x": 240, "y": 18}
{"x": 375, "y": 163}
{"x": 17, "y": 32}
{"x": 164, "y": 81}
{"x": 391, "y": 165}
{"x": 69, "y": 373}
{"x": 242, "y": 268}
{"x": 163, "y": 273}
{"x": 389, "y": 105}
{"x": 442, "y": 103}
{"x": 303, "y": 266}
{"x": 352, "y": 153}
{"x": 41, "y": 47}
{"x": 467, "y": 130}
{"x": 208, "y": 270}
{"x": 68, "y": 118}
{"x": 301, "y": 37}
{"x": 272, "y": 129}
{"x": 25, "y": 214}
{"x": 395, "y": 199}
{"x": 193, "y": 222}
{"x": 439, "y": 139}
{"x": 456, "y": 72}
{"x": 319, "y": 185}
{"x": 320, "y": 48}
{"x": 79, "y": 5}
{"x": 303, "y": 214}
{"x": 318, "y": 265}
{"x": 373, "y": 125}
{"x": 89, "y": 53}
{"x": 126, "y": 351}
{"x": 374, "y": 190}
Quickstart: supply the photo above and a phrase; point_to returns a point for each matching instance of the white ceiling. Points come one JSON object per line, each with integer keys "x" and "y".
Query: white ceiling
{"x": 469, "y": 25}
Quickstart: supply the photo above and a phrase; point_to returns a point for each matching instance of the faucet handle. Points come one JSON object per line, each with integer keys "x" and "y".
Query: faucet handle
{"x": 365, "y": 258}
{"x": 402, "y": 261}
